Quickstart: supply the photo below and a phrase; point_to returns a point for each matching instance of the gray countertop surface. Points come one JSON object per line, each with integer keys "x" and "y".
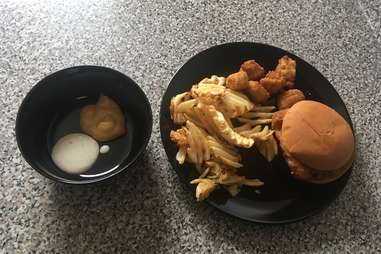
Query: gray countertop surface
{"x": 146, "y": 210}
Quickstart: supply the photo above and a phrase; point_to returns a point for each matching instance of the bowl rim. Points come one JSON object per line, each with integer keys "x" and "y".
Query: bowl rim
{"x": 212, "y": 204}
{"x": 43, "y": 82}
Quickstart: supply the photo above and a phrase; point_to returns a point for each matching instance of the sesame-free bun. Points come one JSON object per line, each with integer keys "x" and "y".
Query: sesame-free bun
{"x": 334, "y": 174}
{"x": 318, "y": 137}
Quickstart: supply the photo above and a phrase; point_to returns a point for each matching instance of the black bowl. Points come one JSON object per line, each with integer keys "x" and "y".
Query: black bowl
{"x": 281, "y": 199}
{"x": 51, "y": 110}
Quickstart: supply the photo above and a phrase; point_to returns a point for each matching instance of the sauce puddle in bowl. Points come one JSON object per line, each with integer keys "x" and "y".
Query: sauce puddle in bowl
{"x": 68, "y": 122}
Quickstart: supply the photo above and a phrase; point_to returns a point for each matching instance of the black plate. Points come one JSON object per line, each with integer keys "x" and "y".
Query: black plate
{"x": 282, "y": 199}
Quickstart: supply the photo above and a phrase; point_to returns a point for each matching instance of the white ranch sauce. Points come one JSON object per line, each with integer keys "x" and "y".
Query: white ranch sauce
{"x": 75, "y": 153}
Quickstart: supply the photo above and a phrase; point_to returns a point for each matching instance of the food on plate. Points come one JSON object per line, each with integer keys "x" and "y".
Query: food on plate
{"x": 264, "y": 140}
{"x": 218, "y": 116}
{"x": 104, "y": 121}
{"x": 317, "y": 142}
{"x": 287, "y": 68}
{"x": 267, "y": 146}
{"x": 289, "y": 98}
{"x": 214, "y": 79}
{"x": 219, "y": 175}
{"x": 235, "y": 104}
{"x": 222, "y": 127}
{"x": 208, "y": 93}
{"x": 253, "y": 69}
{"x": 75, "y": 153}
{"x": 264, "y": 108}
{"x": 177, "y": 115}
{"x": 257, "y": 92}
{"x": 204, "y": 187}
{"x": 208, "y": 138}
{"x": 224, "y": 153}
{"x": 237, "y": 81}
{"x": 277, "y": 121}
{"x": 231, "y": 103}
{"x": 273, "y": 82}
{"x": 180, "y": 138}
{"x": 283, "y": 77}
{"x": 254, "y": 121}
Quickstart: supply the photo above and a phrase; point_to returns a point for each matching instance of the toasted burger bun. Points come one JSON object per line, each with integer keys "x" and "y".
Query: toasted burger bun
{"x": 317, "y": 136}
{"x": 336, "y": 174}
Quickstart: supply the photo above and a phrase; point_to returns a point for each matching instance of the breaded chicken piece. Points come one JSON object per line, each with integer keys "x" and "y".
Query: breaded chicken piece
{"x": 237, "y": 81}
{"x": 253, "y": 69}
{"x": 179, "y": 137}
{"x": 297, "y": 169}
{"x": 273, "y": 82}
{"x": 257, "y": 92}
{"x": 289, "y": 98}
{"x": 277, "y": 119}
{"x": 287, "y": 68}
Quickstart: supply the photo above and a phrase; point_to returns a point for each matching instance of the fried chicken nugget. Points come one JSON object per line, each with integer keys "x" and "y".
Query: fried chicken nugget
{"x": 179, "y": 137}
{"x": 257, "y": 92}
{"x": 289, "y": 98}
{"x": 277, "y": 122}
{"x": 253, "y": 69}
{"x": 287, "y": 68}
{"x": 277, "y": 119}
{"x": 273, "y": 82}
{"x": 237, "y": 81}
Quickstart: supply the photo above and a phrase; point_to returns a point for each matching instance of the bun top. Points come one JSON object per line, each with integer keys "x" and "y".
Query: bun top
{"x": 317, "y": 136}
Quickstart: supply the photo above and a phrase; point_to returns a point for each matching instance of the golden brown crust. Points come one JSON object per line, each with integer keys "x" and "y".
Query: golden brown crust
{"x": 297, "y": 169}
{"x": 302, "y": 172}
{"x": 257, "y": 92}
{"x": 287, "y": 68}
{"x": 253, "y": 69}
{"x": 179, "y": 137}
{"x": 273, "y": 82}
{"x": 237, "y": 81}
{"x": 288, "y": 98}
{"x": 277, "y": 119}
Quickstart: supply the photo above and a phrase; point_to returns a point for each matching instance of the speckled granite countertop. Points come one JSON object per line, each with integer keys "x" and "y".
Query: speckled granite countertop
{"x": 145, "y": 210}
